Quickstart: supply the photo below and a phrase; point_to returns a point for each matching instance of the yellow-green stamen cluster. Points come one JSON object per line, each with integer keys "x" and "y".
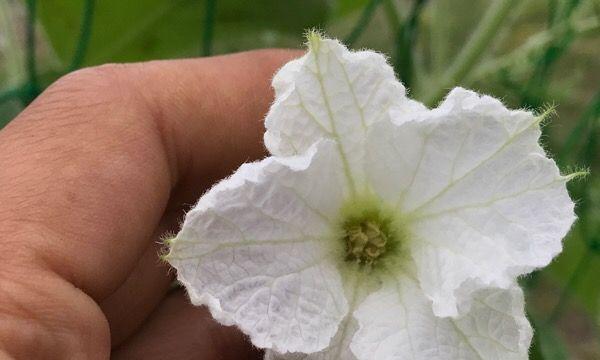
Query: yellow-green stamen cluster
{"x": 371, "y": 234}
{"x": 365, "y": 242}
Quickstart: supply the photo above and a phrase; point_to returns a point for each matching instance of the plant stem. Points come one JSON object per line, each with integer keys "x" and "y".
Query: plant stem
{"x": 32, "y": 85}
{"x": 479, "y": 41}
{"x": 85, "y": 32}
{"x": 405, "y": 41}
{"x": 535, "y": 42}
{"x": 12, "y": 51}
{"x": 10, "y": 94}
{"x": 209, "y": 25}
{"x": 552, "y": 11}
{"x": 392, "y": 14}
{"x": 439, "y": 32}
{"x": 580, "y": 269}
{"x": 532, "y": 94}
{"x": 591, "y": 113}
{"x": 363, "y": 21}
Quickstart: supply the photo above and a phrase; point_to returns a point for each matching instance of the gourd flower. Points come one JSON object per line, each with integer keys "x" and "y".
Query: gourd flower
{"x": 377, "y": 228}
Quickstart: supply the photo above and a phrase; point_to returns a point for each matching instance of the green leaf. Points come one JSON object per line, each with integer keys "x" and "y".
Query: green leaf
{"x": 290, "y": 16}
{"x": 124, "y": 31}
{"x": 345, "y": 7}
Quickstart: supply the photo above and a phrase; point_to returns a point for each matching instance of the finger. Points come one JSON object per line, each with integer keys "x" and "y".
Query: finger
{"x": 127, "y": 307}
{"x": 178, "y": 330}
{"x": 137, "y": 297}
{"x": 104, "y": 148}
{"x": 89, "y": 168}
{"x": 197, "y": 177}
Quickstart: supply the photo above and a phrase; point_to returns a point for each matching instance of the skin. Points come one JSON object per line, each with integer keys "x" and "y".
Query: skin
{"x": 93, "y": 172}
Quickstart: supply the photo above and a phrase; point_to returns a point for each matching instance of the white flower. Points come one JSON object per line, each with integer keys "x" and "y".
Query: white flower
{"x": 377, "y": 229}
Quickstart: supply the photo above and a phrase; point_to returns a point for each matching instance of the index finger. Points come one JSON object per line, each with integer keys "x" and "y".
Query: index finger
{"x": 89, "y": 168}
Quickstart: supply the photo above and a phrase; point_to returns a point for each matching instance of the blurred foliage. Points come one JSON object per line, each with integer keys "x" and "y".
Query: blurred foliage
{"x": 530, "y": 53}
{"x": 156, "y": 29}
{"x": 546, "y": 344}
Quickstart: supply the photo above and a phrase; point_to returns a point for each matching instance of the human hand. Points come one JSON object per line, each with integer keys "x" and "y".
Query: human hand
{"x": 92, "y": 173}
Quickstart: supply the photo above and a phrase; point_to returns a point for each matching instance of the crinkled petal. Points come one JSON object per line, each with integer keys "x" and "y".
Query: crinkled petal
{"x": 332, "y": 93}
{"x": 339, "y": 349}
{"x": 273, "y": 355}
{"x": 482, "y": 199}
{"x": 255, "y": 250}
{"x": 214, "y": 306}
{"x": 397, "y": 323}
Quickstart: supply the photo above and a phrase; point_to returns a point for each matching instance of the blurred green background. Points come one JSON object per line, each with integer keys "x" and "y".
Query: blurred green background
{"x": 530, "y": 53}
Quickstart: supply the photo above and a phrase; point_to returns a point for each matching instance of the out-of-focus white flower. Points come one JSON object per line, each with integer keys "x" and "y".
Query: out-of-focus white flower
{"x": 377, "y": 229}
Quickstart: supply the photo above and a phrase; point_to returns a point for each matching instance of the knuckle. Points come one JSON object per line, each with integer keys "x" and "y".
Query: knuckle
{"x": 80, "y": 97}
{"x": 91, "y": 87}
{"x": 92, "y": 81}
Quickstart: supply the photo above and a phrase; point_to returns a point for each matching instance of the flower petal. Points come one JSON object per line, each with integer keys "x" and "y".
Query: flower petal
{"x": 332, "y": 93}
{"x": 339, "y": 349}
{"x": 483, "y": 200}
{"x": 254, "y": 250}
{"x": 397, "y": 322}
{"x": 273, "y": 355}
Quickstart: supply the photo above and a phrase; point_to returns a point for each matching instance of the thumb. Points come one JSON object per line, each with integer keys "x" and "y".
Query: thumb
{"x": 179, "y": 330}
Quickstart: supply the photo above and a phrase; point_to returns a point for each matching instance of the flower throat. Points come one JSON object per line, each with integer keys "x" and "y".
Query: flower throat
{"x": 369, "y": 233}
{"x": 365, "y": 242}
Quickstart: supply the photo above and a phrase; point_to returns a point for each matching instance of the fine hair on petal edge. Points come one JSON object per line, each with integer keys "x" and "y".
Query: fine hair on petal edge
{"x": 311, "y": 33}
{"x": 165, "y": 242}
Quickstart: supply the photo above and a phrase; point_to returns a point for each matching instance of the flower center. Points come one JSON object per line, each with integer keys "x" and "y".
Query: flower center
{"x": 365, "y": 242}
{"x": 371, "y": 237}
{"x": 370, "y": 234}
